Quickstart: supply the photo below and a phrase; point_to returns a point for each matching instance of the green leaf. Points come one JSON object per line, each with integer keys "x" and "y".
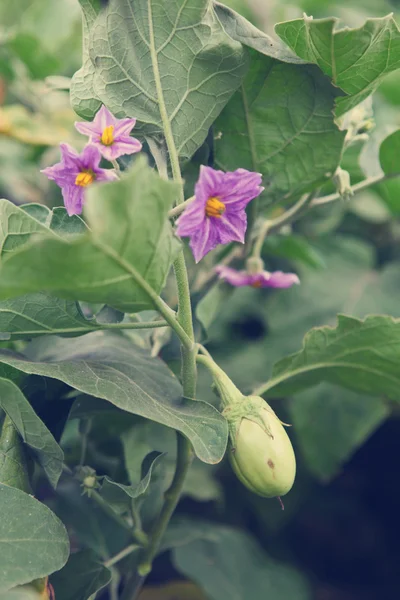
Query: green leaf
{"x": 110, "y": 367}
{"x": 91, "y": 525}
{"x": 171, "y": 65}
{"x": 38, "y": 314}
{"x": 282, "y": 116}
{"x": 82, "y": 576}
{"x": 241, "y": 30}
{"x": 146, "y": 437}
{"x": 83, "y": 97}
{"x": 32, "y": 430}
{"x": 228, "y": 563}
{"x": 330, "y": 423}
{"x": 13, "y": 468}
{"x": 33, "y": 542}
{"x": 359, "y": 355}
{"x": 118, "y": 492}
{"x": 389, "y": 152}
{"x": 356, "y": 59}
{"x": 135, "y": 250}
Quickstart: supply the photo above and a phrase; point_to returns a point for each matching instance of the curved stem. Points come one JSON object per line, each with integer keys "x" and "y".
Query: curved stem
{"x": 362, "y": 185}
{"x": 188, "y": 348}
{"x": 179, "y": 208}
{"x": 125, "y": 552}
{"x": 270, "y": 226}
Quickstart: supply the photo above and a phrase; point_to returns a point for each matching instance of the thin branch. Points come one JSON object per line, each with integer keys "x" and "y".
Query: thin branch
{"x": 125, "y": 552}
{"x": 175, "y": 212}
{"x": 362, "y": 185}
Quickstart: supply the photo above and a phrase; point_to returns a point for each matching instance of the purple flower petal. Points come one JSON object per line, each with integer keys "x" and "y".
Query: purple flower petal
{"x": 217, "y": 214}
{"x": 118, "y": 141}
{"x": 104, "y": 118}
{"x": 89, "y": 129}
{"x": 278, "y": 279}
{"x": 232, "y": 227}
{"x": 75, "y": 172}
{"x": 123, "y": 127}
{"x": 120, "y": 147}
{"x": 235, "y": 278}
{"x": 73, "y": 199}
{"x": 90, "y": 157}
{"x": 204, "y": 240}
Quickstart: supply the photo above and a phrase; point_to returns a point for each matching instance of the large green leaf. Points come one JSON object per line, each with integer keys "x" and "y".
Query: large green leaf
{"x": 169, "y": 64}
{"x": 359, "y": 355}
{"x": 82, "y": 93}
{"x": 37, "y": 314}
{"x": 32, "y": 430}
{"x": 355, "y": 59}
{"x": 389, "y": 154}
{"x": 108, "y": 366}
{"x": 82, "y": 576}
{"x": 130, "y": 245}
{"x": 330, "y": 423}
{"x": 13, "y": 468}
{"x": 33, "y": 542}
{"x": 227, "y": 563}
{"x": 241, "y": 30}
{"x": 280, "y": 123}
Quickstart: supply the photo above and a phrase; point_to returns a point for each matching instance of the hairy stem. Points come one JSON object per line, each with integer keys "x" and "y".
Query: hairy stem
{"x": 125, "y": 552}
{"x": 270, "y": 226}
{"x": 362, "y": 185}
{"x": 188, "y": 349}
{"x": 179, "y": 208}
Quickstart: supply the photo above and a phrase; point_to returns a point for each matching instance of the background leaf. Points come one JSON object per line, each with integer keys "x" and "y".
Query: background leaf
{"x": 355, "y": 59}
{"x": 360, "y": 355}
{"x": 13, "y": 467}
{"x": 82, "y": 576}
{"x": 229, "y": 564}
{"x": 330, "y": 424}
{"x": 170, "y": 57}
{"x": 389, "y": 154}
{"x": 32, "y": 430}
{"x": 282, "y": 116}
{"x": 110, "y": 367}
{"x": 38, "y": 314}
{"x": 33, "y": 542}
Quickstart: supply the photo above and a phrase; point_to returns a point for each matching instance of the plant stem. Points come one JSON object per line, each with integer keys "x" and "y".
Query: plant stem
{"x": 362, "y": 185}
{"x": 188, "y": 349}
{"x": 162, "y": 307}
{"x": 172, "y": 496}
{"x": 179, "y": 208}
{"x": 125, "y": 552}
{"x": 270, "y": 226}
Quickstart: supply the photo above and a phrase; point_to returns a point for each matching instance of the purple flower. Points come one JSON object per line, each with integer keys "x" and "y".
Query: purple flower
{"x": 264, "y": 279}
{"x": 75, "y": 172}
{"x": 110, "y": 135}
{"x": 217, "y": 214}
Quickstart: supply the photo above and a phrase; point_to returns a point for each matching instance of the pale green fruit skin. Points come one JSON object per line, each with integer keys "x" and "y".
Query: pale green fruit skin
{"x": 264, "y": 464}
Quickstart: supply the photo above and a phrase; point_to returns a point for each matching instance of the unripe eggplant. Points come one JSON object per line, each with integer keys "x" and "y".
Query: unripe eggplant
{"x": 262, "y": 455}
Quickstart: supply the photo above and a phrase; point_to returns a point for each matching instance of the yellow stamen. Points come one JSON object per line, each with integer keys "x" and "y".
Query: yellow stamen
{"x": 84, "y": 178}
{"x": 107, "y": 137}
{"x": 215, "y": 208}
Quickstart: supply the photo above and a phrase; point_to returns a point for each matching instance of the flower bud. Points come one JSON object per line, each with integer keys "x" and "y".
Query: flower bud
{"x": 262, "y": 455}
{"x": 341, "y": 179}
